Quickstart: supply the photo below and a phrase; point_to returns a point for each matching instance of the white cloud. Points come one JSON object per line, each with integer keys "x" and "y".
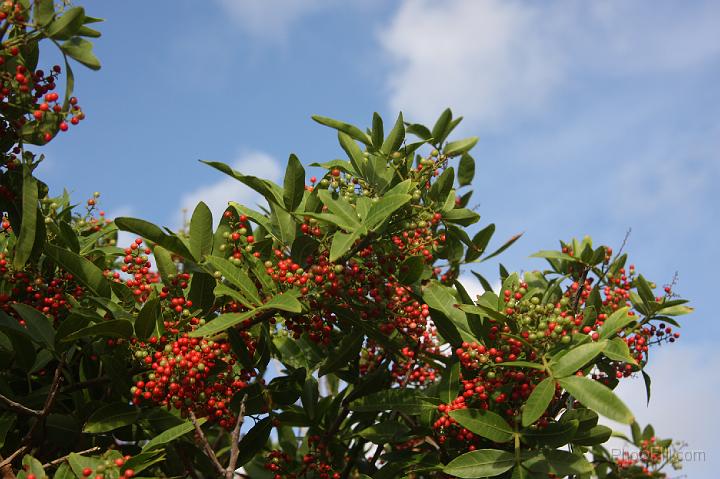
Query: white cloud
{"x": 497, "y": 59}
{"x": 684, "y": 385}
{"x": 270, "y": 19}
{"x": 218, "y": 194}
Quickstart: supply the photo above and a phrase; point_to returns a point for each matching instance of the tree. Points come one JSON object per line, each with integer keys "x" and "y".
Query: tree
{"x": 324, "y": 335}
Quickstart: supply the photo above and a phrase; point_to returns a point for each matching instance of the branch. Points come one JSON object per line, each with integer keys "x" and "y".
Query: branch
{"x": 18, "y": 408}
{"x": 49, "y": 402}
{"x": 235, "y": 441}
{"x": 60, "y": 460}
{"x": 206, "y": 445}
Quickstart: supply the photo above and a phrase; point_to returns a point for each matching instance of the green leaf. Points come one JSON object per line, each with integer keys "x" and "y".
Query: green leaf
{"x": 484, "y": 423}
{"x": 38, "y": 325}
{"x": 236, "y": 276}
{"x": 171, "y": 434}
{"x": 395, "y": 137}
{"x": 480, "y": 463}
{"x": 595, "y": 435}
{"x": 84, "y": 271}
{"x": 459, "y": 147}
{"x": 576, "y": 358}
{"x": 32, "y": 466}
{"x": 286, "y": 301}
{"x": 254, "y": 441}
{"x": 505, "y": 246}
{"x": 597, "y": 397}
{"x": 26, "y": 237}
{"x": 347, "y": 351}
{"x": 440, "y": 298}
{"x": 353, "y": 151}
{"x": 294, "y": 184}
{"x": 201, "y": 231}
{"x": 480, "y": 242}
{"x": 350, "y": 130}
{"x": 110, "y": 417}
{"x": 309, "y": 397}
{"x": 466, "y": 170}
{"x": 378, "y": 131}
{"x": 563, "y": 463}
{"x": 648, "y": 383}
{"x": 44, "y": 12}
{"x": 340, "y": 208}
{"x": 166, "y": 266}
{"x": 202, "y": 286}
{"x": 442, "y": 186}
{"x": 147, "y": 318}
{"x": 617, "y": 350}
{"x": 113, "y": 328}
{"x": 384, "y": 432}
{"x": 381, "y": 210}
{"x": 439, "y": 131}
{"x": 554, "y": 435}
{"x": 80, "y": 50}
{"x": 555, "y": 255}
{"x": 449, "y": 383}
{"x": 343, "y": 242}
{"x": 405, "y": 400}
{"x": 538, "y": 401}
{"x": 154, "y": 234}
{"x": 617, "y": 321}
{"x": 66, "y": 25}
{"x": 411, "y": 270}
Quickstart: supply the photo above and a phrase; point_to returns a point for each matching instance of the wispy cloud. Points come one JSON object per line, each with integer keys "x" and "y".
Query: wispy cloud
{"x": 501, "y": 60}
{"x": 271, "y": 20}
{"x": 218, "y": 194}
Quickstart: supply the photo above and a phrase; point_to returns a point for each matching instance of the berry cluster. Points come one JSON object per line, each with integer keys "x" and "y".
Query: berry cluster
{"x": 190, "y": 374}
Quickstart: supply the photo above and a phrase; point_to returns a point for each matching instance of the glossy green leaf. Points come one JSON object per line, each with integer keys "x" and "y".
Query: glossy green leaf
{"x": 201, "y": 231}
{"x": 576, "y": 358}
{"x": 112, "y": 328}
{"x": 44, "y": 11}
{"x": 484, "y": 423}
{"x": 449, "y": 385}
{"x": 538, "y": 401}
{"x": 26, "y": 236}
{"x": 254, "y": 441}
{"x": 67, "y": 24}
{"x": 616, "y": 322}
{"x": 166, "y": 266}
{"x": 83, "y": 270}
{"x": 171, "y": 434}
{"x": 395, "y": 137}
{"x": 350, "y": 130}
{"x": 340, "y": 208}
{"x": 466, "y": 170}
{"x": 480, "y": 463}
{"x": 405, "y": 400}
{"x": 110, "y": 417}
{"x": 343, "y": 242}
{"x": 411, "y": 270}
{"x": 480, "y": 242}
{"x": 383, "y": 209}
{"x": 459, "y": 147}
{"x": 80, "y": 50}
{"x": 236, "y": 276}
{"x": 555, "y": 434}
{"x": 147, "y": 318}
{"x": 38, "y": 325}
{"x": 597, "y": 397}
{"x": 618, "y": 350}
{"x": 294, "y": 184}
{"x": 309, "y": 397}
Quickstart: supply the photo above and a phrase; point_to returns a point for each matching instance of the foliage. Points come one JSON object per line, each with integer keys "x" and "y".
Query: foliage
{"x": 324, "y": 334}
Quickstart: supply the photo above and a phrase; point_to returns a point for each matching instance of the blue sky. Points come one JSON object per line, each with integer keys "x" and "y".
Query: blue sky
{"x": 593, "y": 118}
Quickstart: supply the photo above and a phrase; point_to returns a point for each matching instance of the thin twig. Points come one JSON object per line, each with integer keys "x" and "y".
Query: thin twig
{"x": 60, "y": 460}
{"x": 18, "y": 408}
{"x": 49, "y": 402}
{"x": 206, "y": 445}
{"x": 235, "y": 441}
